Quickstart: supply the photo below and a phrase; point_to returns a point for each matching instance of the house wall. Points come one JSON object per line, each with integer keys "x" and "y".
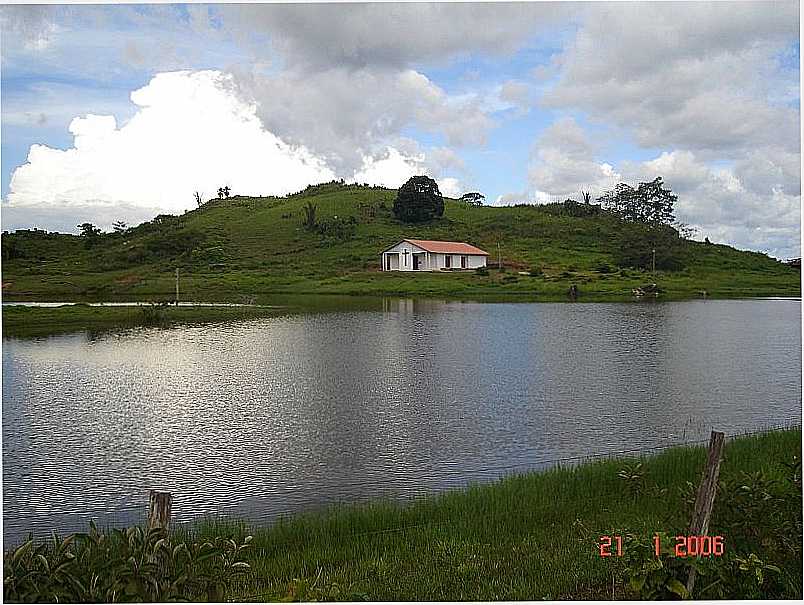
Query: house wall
{"x": 473, "y": 261}
{"x": 396, "y": 253}
{"x": 437, "y": 261}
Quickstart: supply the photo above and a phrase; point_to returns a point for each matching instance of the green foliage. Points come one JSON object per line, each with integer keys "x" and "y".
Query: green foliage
{"x": 88, "y": 230}
{"x": 309, "y": 216}
{"x": 651, "y": 577}
{"x": 633, "y": 475}
{"x": 418, "y": 200}
{"x": 482, "y": 271}
{"x": 154, "y": 314}
{"x": 130, "y": 565}
{"x": 337, "y": 227}
{"x": 90, "y": 233}
{"x": 473, "y": 198}
{"x": 649, "y": 203}
{"x": 571, "y": 208}
{"x": 736, "y": 577}
{"x": 635, "y": 245}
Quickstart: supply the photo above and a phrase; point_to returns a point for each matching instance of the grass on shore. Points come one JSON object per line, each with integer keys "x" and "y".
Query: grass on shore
{"x": 531, "y": 536}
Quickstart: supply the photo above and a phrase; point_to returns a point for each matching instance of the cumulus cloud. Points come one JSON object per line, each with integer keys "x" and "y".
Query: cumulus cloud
{"x": 190, "y": 133}
{"x": 357, "y": 36}
{"x": 348, "y": 114}
{"x": 392, "y": 170}
{"x": 702, "y": 78}
{"x": 394, "y": 167}
{"x": 517, "y": 94}
{"x": 563, "y": 164}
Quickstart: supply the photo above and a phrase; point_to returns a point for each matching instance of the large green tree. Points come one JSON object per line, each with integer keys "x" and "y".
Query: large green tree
{"x": 648, "y": 203}
{"x": 418, "y": 200}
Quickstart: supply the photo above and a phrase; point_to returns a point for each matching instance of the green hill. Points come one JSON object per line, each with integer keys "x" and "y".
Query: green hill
{"x": 247, "y": 248}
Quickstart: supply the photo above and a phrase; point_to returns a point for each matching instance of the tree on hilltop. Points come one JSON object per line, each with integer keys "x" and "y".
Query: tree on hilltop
{"x": 473, "y": 198}
{"x": 649, "y": 203}
{"x": 418, "y": 200}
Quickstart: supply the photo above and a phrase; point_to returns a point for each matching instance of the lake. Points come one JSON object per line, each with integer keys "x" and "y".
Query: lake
{"x": 283, "y": 414}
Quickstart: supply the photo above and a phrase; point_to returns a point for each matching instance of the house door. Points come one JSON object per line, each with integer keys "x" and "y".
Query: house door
{"x": 463, "y": 262}
{"x": 415, "y": 262}
{"x": 387, "y": 262}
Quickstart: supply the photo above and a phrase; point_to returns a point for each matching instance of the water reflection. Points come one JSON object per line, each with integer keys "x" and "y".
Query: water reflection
{"x": 286, "y": 413}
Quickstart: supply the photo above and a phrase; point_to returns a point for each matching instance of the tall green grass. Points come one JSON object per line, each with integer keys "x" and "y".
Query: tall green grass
{"x": 528, "y": 536}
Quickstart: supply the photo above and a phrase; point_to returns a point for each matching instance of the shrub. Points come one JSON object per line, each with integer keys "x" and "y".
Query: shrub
{"x": 636, "y": 242}
{"x": 125, "y": 565}
{"x": 154, "y": 314}
{"x": 482, "y": 271}
{"x": 340, "y": 228}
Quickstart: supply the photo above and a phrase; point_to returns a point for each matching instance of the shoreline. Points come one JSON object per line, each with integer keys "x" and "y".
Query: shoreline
{"x": 26, "y": 318}
{"x": 535, "y": 533}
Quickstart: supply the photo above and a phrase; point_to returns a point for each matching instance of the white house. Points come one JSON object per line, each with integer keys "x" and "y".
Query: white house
{"x": 428, "y": 255}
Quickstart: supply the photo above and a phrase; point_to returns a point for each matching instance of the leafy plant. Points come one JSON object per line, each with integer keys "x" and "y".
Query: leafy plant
{"x": 309, "y": 215}
{"x": 652, "y": 577}
{"x": 132, "y": 564}
{"x": 633, "y": 474}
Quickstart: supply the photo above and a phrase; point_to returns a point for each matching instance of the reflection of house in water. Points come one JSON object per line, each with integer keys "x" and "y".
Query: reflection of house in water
{"x": 406, "y": 306}
{"x": 430, "y": 255}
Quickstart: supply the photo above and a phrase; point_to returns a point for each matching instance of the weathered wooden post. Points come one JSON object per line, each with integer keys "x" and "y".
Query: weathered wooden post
{"x": 159, "y": 505}
{"x": 705, "y": 498}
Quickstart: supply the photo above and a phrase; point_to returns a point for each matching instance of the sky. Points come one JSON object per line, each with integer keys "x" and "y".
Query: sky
{"x": 122, "y": 112}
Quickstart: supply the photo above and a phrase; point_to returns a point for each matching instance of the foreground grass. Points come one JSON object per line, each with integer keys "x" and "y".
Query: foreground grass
{"x": 20, "y": 321}
{"x": 531, "y": 536}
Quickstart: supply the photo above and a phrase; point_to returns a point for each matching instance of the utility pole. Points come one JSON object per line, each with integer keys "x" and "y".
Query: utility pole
{"x": 177, "y": 286}
{"x": 653, "y": 263}
{"x": 499, "y": 257}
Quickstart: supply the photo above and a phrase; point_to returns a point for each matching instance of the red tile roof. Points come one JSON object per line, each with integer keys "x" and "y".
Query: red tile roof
{"x": 446, "y": 247}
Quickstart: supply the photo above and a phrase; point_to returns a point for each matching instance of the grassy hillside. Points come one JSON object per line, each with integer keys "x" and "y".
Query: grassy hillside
{"x": 245, "y": 248}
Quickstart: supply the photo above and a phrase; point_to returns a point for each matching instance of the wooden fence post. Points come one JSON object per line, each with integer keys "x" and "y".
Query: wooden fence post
{"x": 705, "y": 498}
{"x": 159, "y": 505}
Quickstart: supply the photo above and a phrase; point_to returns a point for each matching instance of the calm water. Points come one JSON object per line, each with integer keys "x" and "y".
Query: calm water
{"x": 283, "y": 414}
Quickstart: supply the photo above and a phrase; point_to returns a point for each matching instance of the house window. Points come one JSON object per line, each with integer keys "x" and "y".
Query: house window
{"x": 463, "y": 262}
{"x": 447, "y": 261}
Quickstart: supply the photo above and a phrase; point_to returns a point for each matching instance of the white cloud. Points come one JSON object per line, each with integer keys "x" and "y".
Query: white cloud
{"x": 563, "y": 164}
{"x": 189, "y": 133}
{"x": 392, "y": 170}
{"x": 700, "y": 76}
{"x": 450, "y": 187}
{"x": 345, "y": 114}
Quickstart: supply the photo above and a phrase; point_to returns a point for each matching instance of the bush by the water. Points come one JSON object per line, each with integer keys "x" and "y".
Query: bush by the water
{"x": 759, "y": 514}
{"x": 131, "y": 565}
